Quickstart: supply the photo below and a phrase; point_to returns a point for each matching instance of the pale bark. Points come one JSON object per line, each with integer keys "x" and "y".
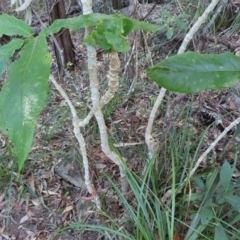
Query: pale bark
{"x": 81, "y": 142}
{"x": 95, "y": 96}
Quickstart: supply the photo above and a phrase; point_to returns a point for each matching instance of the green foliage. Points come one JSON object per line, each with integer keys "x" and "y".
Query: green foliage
{"x": 92, "y": 20}
{"x": 193, "y": 72}
{"x": 171, "y": 22}
{"x": 216, "y": 193}
{"x": 12, "y": 26}
{"x": 24, "y": 95}
{"x": 220, "y": 233}
{"x": 147, "y": 216}
{"x": 225, "y": 175}
{"x": 7, "y": 51}
{"x": 110, "y": 36}
{"x": 110, "y": 33}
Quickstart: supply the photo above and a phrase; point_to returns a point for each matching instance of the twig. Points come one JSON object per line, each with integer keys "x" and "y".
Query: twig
{"x": 197, "y": 25}
{"x": 217, "y": 12}
{"x": 118, "y": 145}
{"x": 81, "y": 141}
{"x": 148, "y": 137}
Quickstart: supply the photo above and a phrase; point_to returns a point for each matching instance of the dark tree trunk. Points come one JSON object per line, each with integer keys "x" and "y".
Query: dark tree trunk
{"x": 65, "y": 49}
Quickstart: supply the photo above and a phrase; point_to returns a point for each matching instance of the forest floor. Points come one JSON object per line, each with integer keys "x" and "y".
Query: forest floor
{"x": 44, "y": 202}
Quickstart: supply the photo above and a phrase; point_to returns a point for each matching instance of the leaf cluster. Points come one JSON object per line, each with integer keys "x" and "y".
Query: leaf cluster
{"x": 171, "y": 22}
{"x": 213, "y": 196}
{"x": 24, "y": 95}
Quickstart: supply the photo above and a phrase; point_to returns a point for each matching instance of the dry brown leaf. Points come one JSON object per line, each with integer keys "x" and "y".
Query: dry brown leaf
{"x": 68, "y": 209}
{"x": 176, "y": 236}
{"x": 88, "y": 197}
{"x": 232, "y": 105}
{"x": 30, "y": 182}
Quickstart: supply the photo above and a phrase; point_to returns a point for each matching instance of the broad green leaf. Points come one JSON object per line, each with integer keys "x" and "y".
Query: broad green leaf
{"x": 93, "y": 19}
{"x": 234, "y": 201}
{"x": 109, "y": 36}
{"x": 180, "y": 23}
{"x": 140, "y": 25}
{"x": 193, "y": 72}
{"x": 225, "y": 175}
{"x": 9, "y": 25}
{"x": 110, "y": 33}
{"x": 24, "y": 95}
{"x": 206, "y": 215}
{"x": 7, "y": 51}
{"x": 220, "y": 233}
{"x": 100, "y": 39}
{"x": 169, "y": 33}
{"x": 89, "y": 40}
{"x": 192, "y": 197}
{"x": 235, "y": 219}
{"x": 115, "y": 26}
{"x": 220, "y": 198}
{"x": 165, "y": 12}
{"x": 118, "y": 42}
{"x": 199, "y": 182}
{"x": 127, "y": 26}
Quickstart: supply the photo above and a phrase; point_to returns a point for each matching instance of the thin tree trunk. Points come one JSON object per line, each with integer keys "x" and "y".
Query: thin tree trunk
{"x": 65, "y": 52}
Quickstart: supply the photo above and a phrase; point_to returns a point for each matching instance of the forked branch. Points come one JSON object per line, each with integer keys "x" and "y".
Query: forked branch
{"x": 81, "y": 142}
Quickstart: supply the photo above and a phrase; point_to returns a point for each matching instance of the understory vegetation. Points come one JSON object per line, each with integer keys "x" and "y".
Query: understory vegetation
{"x": 180, "y": 181}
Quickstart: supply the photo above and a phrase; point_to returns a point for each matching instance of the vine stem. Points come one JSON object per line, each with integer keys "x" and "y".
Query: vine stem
{"x": 151, "y": 143}
{"x": 95, "y": 96}
{"x": 81, "y": 142}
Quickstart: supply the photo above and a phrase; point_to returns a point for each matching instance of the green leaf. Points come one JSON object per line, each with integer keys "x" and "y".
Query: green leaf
{"x": 225, "y": 175}
{"x": 234, "y": 201}
{"x": 119, "y": 43}
{"x": 193, "y": 197}
{"x": 235, "y": 219}
{"x": 165, "y": 12}
{"x": 181, "y": 24}
{"x": 127, "y": 25}
{"x": 220, "y": 198}
{"x": 220, "y": 233}
{"x": 193, "y": 72}
{"x": 93, "y": 19}
{"x": 115, "y": 26}
{"x": 206, "y": 215}
{"x": 12, "y": 26}
{"x": 100, "y": 39}
{"x": 110, "y": 32}
{"x": 169, "y": 33}
{"x": 24, "y": 95}
{"x": 88, "y": 40}
{"x": 7, "y": 51}
{"x": 140, "y": 25}
{"x": 199, "y": 182}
